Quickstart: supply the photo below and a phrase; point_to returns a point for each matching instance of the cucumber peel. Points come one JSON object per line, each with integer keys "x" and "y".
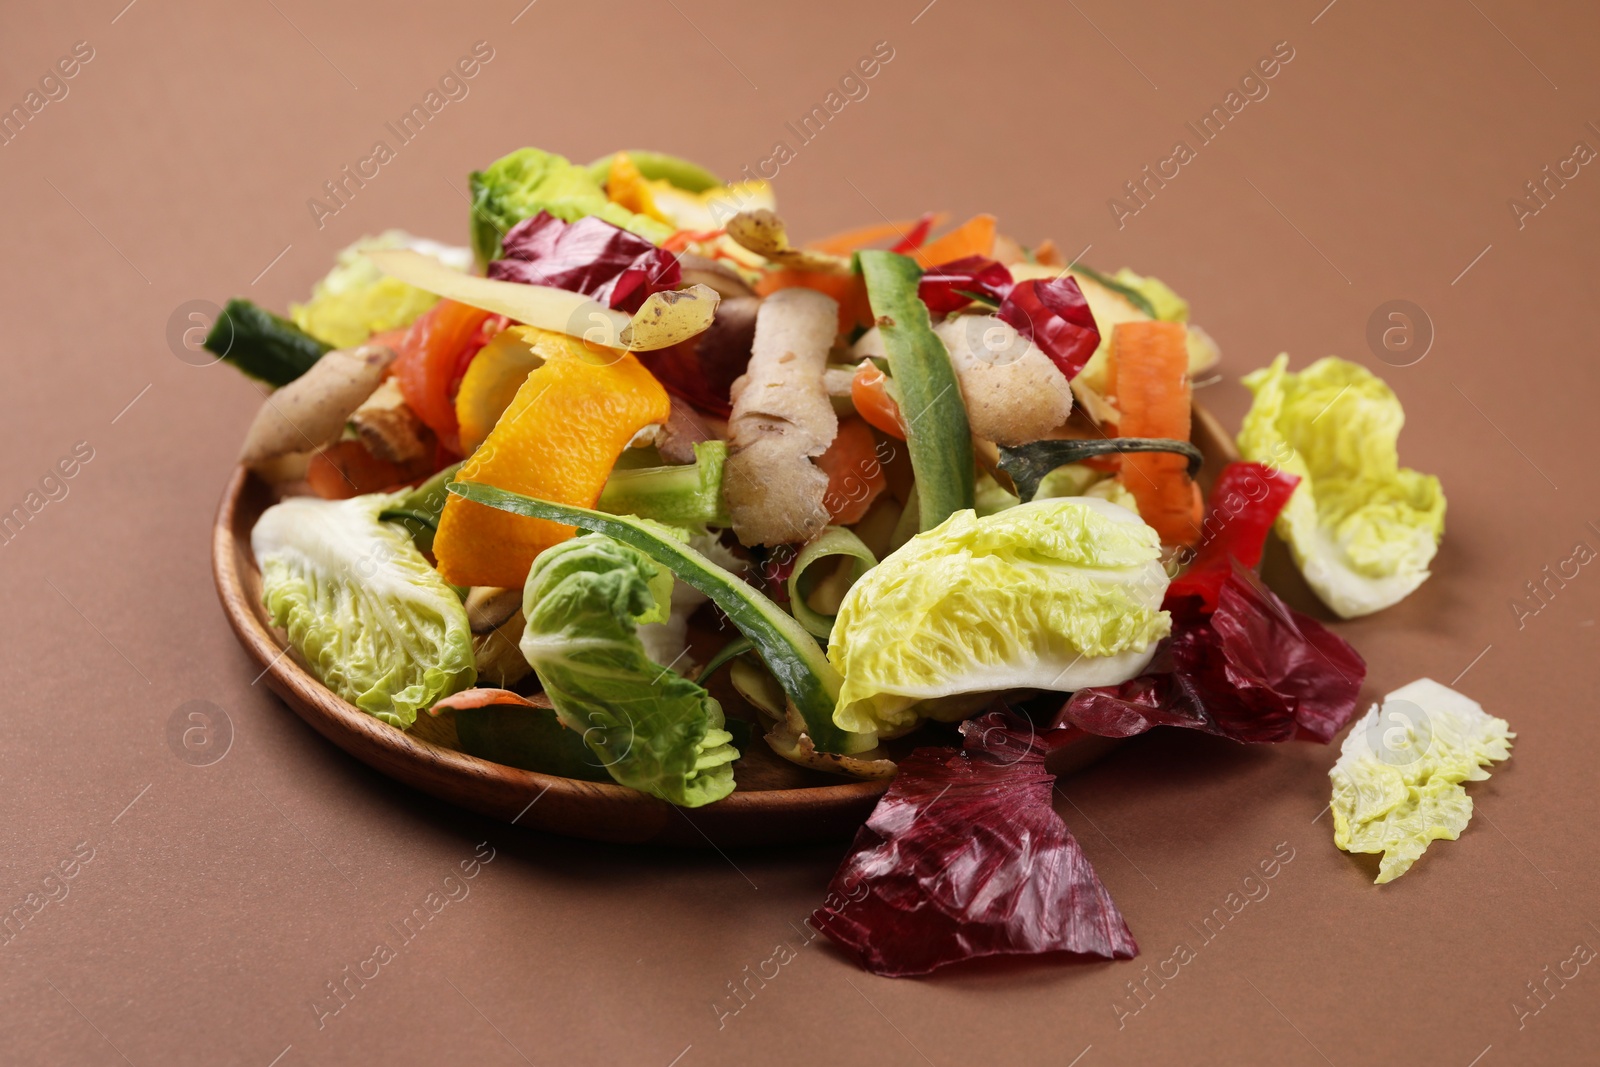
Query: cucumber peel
{"x": 1122, "y": 289}
{"x": 790, "y": 653}
{"x": 263, "y": 345}
{"x": 835, "y": 543}
{"x": 938, "y": 438}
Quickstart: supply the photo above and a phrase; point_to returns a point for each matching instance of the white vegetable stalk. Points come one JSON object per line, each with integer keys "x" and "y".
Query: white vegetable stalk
{"x": 665, "y": 319}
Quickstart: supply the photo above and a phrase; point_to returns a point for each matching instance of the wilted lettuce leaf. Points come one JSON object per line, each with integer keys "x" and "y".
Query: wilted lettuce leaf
{"x": 356, "y": 299}
{"x": 965, "y": 857}
{"x": 1362, "y": 528}
{"x": 1397, "y": 783}
{"x": 528, "y": 181}
{"x": 652, "y": 729}
{"x": 372, "y": 619}
{"x": 1253, "y": 670}
{"x": 1053, "y": 594}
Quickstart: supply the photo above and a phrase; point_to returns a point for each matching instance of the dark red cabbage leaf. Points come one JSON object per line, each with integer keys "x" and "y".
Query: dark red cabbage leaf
{"x": 1051, "y": 312}
{"x": 1244, "y": 503}
{"x": 590, "y": 256}
{"x": 1240, "y": 662}
{"x": 1252, "y": 670}
{"x": 964, "y": 857}
{"x": 683, "y": 371}
{"x": 702, "y": 369}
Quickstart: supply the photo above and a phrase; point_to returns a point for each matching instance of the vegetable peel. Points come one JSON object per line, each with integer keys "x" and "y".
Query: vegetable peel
{"x": 782, "y": 420}
{"x": 664, "y": 319}
{"x": 790, "y": 653}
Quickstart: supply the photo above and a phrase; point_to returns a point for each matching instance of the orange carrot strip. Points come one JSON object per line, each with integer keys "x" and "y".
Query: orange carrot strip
{"x": 682, "y": 239}
{"x": 869, "y": 392}
{"x": 855, "y": 476}
{"x": 847, "y": 289}
{"x": 975, "y": 237}
{"x": 1048, "y": 255}
{"x": 842, "y": 244}
{"x": 346, "y": 469}
{"x": 1149, "y": 373}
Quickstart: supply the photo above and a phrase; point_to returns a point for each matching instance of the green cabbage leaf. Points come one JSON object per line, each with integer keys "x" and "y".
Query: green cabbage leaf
{"x": 373, "y": 621}
{"x": 1397, "y": 785}
{"x": 1053, "y": 594}
{"x": 1362, "y": 528}
{"x": 653, "y": 730}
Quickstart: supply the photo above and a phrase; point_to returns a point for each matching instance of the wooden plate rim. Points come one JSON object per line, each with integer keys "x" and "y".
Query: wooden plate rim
{"x": 342, "y": 722}
{"x": 508, "y": 793}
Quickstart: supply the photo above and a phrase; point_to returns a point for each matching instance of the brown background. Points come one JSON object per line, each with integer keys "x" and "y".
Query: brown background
{"x": 215, "y": 908}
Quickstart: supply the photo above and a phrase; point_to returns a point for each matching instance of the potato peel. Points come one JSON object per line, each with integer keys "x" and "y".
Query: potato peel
{"x": 668, "y": 318}
{"x": 762, "y": 232}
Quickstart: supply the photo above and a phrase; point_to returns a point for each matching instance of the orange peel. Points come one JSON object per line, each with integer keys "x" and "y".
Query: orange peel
{"x": 498, "y": 371}
{"x": 558, "y": 440}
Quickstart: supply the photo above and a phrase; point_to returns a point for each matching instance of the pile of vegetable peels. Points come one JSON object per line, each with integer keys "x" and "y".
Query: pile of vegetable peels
{"x": 950, "y": 481}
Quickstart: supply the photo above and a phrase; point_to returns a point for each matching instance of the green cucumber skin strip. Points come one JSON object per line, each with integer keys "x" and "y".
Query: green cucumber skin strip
{"x": 938, "y": 438}
{"x": 261, "y": 344}
{"x": 732, "y": 650}
{"x": 813, "y": 685}
{"x": 833, "y": 542}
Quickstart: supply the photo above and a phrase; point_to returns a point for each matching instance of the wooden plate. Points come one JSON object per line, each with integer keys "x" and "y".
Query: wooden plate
{"x": 776, "y": 802}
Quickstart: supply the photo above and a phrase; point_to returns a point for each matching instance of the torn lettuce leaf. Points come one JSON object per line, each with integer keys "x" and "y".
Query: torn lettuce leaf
{"x": 1362, "y": 528}
{"x": 356, "y": 299}
{"x": 1397, "y": 785}
{"x": 520, "y": 185}
{"x": 652, "y": 729}
{"x": 374, "y": 622}
{"x": 1054, "y": 594}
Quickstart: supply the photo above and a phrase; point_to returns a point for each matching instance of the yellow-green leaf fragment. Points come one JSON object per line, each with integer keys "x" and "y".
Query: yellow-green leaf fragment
{"x": 356, "y": 299}
{"x": 1362, "y": 528}
{"x": 1397, "y": 785}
